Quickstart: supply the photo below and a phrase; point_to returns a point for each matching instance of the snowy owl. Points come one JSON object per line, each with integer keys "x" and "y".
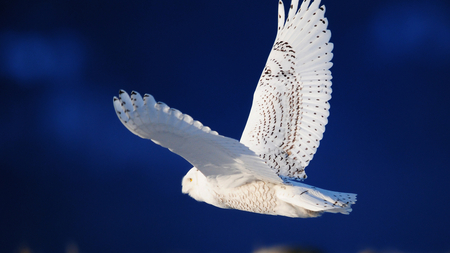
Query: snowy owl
{"x": 262, "y": 172}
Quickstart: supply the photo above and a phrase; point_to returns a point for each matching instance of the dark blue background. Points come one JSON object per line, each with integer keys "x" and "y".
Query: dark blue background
{"x": 72, "y": 174}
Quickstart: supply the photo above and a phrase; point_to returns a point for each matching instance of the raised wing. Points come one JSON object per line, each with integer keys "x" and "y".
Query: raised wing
{"x": 219, "y": 158}
{"x": 290, "y": 104}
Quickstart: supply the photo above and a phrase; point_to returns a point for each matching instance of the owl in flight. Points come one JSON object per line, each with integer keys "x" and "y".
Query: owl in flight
{"x": 262, "y": 172}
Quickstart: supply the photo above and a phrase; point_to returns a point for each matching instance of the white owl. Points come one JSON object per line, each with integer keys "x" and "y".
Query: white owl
{"x": 261, "y": 173}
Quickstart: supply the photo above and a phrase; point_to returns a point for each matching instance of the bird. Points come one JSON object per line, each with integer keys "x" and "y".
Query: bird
{"x": 264, "y": 171}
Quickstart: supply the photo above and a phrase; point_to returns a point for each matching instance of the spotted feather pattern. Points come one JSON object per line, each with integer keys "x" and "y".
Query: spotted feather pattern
{"x": 257, "y": 197}
{"x": 290, "y": 104}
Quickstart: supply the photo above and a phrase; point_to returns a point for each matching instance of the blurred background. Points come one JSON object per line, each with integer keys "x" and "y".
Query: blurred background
{"x": 74, "y": 179}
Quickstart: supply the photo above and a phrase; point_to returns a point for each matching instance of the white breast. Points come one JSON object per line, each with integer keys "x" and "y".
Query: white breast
{"x": 258, "y": 197}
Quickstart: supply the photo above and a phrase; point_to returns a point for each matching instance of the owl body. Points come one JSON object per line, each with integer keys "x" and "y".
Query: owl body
{"x": 257, "y": 197}
{"x": 292, "y": 200}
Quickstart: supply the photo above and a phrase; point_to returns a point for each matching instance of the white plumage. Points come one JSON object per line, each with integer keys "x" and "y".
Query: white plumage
{"x": 290, "y": 108}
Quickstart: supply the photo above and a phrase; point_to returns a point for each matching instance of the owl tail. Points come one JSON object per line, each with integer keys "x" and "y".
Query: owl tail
{"x": 316, "y": 200}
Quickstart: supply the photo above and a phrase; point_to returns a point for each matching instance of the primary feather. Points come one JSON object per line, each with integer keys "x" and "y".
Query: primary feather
{"x": 286, "y": 123}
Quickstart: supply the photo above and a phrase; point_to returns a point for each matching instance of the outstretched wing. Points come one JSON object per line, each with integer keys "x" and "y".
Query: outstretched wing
{"x": 290, "y": 104}
{"x": 226, "y": 160}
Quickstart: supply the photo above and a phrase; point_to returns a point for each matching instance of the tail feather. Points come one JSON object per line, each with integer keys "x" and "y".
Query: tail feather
{"x": 317, "y": 200}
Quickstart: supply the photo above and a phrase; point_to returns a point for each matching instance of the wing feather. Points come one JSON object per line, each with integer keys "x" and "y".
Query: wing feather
{"x": 226, "y": 160}
{"x": 290, "y": 104}
{"x": 281, "y": 16}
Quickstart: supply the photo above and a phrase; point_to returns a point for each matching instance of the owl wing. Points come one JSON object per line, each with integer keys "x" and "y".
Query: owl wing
{"x": 290, "y": 105}
{"x": 219, "y": 158}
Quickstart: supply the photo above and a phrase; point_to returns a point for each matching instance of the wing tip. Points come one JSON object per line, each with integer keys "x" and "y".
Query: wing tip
{"x": 125, "y": 106}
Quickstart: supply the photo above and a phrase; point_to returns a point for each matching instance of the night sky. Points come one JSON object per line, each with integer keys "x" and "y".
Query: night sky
{"x": 73, "y": 177}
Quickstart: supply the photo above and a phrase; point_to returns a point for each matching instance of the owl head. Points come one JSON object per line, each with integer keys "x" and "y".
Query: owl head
{"x": 193, "y": 183}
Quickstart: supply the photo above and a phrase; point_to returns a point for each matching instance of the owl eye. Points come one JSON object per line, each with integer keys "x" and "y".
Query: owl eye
{"x": 190, "y": 179}
{"x": 268, "y": 71}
